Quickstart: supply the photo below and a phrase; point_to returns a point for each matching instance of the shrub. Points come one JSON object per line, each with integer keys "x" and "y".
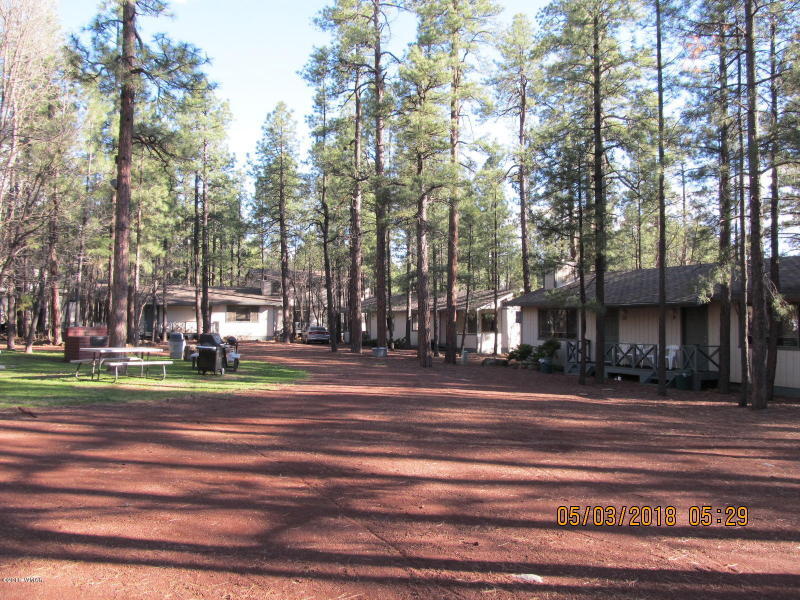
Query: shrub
{"x": 401, "y": 344}
{"x": 549, "y": 348}
{"x": 521, "y": 352}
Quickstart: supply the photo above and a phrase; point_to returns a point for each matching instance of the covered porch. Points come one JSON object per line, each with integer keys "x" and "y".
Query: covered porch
{"x": 700, "y": 362}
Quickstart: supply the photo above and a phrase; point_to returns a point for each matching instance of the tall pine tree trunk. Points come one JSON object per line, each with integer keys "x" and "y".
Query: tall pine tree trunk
{"x": 198, "y": 310}
{"x": 288, "y": 320}
{"x": 205, "y": 309}
{"x": 452, "y": 218}
{"x": 381, "y": 199}
{"x": 435, "y": 299}
{"x": 522, "y": 183}
{"x": 662, "y": 224}
{"x": 118, "y": 319}
{"x": 55, "y": 294}
{"x": 759, "y": 329}
{"x": 744, "y": 319}
{"x": 112, "y": 237}
{"x": 599, "y": 208}
{"x": 355, "y": 290}
{"x": 134, "y": 302}
{"x": 423, "y": 301}
{"x": 469, "y": 289}
{"x": 581, "y": 281}
{"x": 725, "y": 256}
{"x": 774, "y": 260}
{"x": 495, "y": 277}
{"x": 409, "y": 315}
{"x": 389, "y": 307}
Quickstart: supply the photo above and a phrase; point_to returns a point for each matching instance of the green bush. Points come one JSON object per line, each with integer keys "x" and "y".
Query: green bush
{"x": 401, "y": 344}
{"x": 549, "y": 348}
{"x": 521, "y": 352}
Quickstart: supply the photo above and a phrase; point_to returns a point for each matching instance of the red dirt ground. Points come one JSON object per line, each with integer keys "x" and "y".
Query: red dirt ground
{"x": 373, "y": 479}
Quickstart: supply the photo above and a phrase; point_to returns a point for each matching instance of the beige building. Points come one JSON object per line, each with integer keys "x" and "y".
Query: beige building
{"x": 631, "y": 329}
{"x": 244, "y": 313}
{"x": 483, "y": 320}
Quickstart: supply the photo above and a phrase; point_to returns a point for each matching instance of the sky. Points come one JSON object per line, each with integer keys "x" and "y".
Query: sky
{"x": 257, "y": 48}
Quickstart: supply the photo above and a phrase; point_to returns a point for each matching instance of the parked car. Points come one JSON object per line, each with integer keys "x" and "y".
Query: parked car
{"x": 311, "y": 335}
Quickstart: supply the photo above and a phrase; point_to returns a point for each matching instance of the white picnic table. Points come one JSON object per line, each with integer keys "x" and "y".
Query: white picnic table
{"x": 119, "y": 356}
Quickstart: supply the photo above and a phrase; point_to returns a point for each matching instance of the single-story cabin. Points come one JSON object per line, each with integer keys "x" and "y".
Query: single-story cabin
{"x": 244, "y": 313}
{"x": 631, "y": 324}
{"x": 481, "y": 319}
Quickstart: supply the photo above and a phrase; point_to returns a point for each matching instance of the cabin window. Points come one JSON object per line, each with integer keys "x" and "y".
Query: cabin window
{"x": 488, "y": 322}
{"x": 472, "y": 323}
{"x": 558, "y": 323}
{"x": 789, "y": 334}
{"x": 518, "y": 317}
{"x": 275, "y": 288}
{"x": 414, "y": 321}
{"x": 243, "y": 314}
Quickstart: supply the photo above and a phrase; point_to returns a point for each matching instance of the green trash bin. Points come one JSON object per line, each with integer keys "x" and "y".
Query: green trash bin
{"x": 684, "y": 380}
{"x": 545, "y": 365}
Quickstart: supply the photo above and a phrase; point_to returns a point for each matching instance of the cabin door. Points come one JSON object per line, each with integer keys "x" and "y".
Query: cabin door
{"x": 694, "y": 331}
{"x": 612, "y": 326}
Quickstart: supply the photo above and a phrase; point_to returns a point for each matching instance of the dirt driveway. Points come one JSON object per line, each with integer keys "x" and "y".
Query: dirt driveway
{"x": 375, "y": 480}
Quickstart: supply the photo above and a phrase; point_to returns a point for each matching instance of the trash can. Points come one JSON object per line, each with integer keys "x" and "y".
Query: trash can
{"x": 177, "y": 344}
{"x": 545, "y": 365}
{"x": 465, "y": 357}
{"x": 684, "y": 380}
{"x": 80, "y": 337}
{"x": 379, "y": 352}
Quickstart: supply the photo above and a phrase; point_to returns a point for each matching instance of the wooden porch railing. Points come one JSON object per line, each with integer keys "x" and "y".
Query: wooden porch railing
{"x": 637, "y": 356}
{"x": 645, "y": 356}
{"x": 574, "y": 351}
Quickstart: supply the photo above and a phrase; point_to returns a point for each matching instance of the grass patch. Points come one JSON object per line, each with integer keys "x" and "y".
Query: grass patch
{"x": 44, "y": 379}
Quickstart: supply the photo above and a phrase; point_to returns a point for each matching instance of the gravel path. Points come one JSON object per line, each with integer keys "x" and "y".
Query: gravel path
{"x": 373, "y": 479}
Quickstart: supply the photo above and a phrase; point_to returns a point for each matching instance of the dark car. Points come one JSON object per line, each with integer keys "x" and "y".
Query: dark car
{"x": 311, "y": 335}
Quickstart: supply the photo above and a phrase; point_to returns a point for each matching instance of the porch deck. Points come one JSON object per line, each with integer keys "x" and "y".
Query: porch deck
{"x": 641, "y": 360}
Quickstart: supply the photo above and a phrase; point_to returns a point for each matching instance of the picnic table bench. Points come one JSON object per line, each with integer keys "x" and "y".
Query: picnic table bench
{"x": 117, "y": 358}
{"x": 137, "y": 362}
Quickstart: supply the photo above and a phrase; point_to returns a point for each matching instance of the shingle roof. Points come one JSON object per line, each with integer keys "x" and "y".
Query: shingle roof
{"x": 688, "y": 285}
{"x": 477, "y": 299}
{"x": 183, "y": 295}
{"x": 789, "y": 278}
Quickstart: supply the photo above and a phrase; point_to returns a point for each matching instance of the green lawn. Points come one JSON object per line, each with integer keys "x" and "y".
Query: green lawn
{"x": 44, "y": 379}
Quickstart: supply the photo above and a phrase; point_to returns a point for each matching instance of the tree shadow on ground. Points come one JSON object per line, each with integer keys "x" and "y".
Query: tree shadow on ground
{"x": 390, "y": 488}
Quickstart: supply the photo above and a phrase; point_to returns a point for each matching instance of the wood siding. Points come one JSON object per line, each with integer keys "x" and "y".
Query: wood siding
{"x": 640, "y": 325}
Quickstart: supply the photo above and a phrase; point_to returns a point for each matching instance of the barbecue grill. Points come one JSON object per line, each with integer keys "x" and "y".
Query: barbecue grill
{"x": 213, "y": 354}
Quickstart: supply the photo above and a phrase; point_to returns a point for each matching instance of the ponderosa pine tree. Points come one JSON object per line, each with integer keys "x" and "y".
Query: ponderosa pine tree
{"x": 456, "y": 27}
{"x": 759, "y": 383}
{"x": 423, "y": 129}
{"x": 514, "y": 78}
{"x": 662, "y": 211}
{"x": 319, "y": 72}
{"x": 172, "y": 69}
{"x": 277, "y": 187}
{"x": 584, "y": 45}
{"x": 710, "y": 120}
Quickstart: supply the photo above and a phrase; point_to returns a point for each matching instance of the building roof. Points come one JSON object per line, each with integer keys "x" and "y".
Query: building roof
{"x": 183, "y": 295}
{"x": 689, "y": 285}
{"x": 789, "y": 278}
{"x": 254, "y": 276}
{"x": 478, "y": 299}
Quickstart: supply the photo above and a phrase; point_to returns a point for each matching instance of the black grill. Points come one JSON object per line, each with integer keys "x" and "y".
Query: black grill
{"x": 211, "y": 358}
{"x": 212, "y": 354}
